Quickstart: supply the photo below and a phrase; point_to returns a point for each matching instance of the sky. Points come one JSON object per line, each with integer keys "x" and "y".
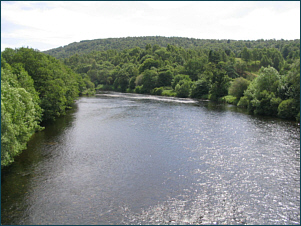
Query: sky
{"x": 45, "y": 25}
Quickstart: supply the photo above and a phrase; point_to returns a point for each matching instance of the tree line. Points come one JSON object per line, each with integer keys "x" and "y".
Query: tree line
{"x": 35, "y": 87}
{"x": 266, "y": 81}
{"x": 119, "y": 44}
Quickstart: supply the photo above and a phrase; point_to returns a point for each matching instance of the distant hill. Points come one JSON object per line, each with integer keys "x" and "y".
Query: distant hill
{"x": 120, "y": 44}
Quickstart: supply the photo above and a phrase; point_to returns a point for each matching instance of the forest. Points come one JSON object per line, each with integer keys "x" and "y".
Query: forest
{"x": 35, "y": 87}
{"x": 262, "y": 76}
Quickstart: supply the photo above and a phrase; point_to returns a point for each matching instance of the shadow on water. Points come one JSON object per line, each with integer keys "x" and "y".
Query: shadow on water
{"x": 16, "y": 178}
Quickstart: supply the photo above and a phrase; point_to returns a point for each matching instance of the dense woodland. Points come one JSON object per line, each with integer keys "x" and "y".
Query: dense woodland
{"x": 35, "y": 87}
{"x": 262, "y": 76}
{"x": 120, "y": 44}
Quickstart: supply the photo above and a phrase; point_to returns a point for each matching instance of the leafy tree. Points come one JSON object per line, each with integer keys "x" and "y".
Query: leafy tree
{"x": 56, "y": 84}
{"x": 178, "y": 78}
{"x": 20, "y": 116}
{"x": 219, "y": 80}
{"x": 165, "y": 78}
{"x": 183, "y": 88}
{"x": 194, "y": 67}
{"x": 265, "y": 61}
{"x": 246, "y": 55}
{"x": 238, "y": 86}
{"x": 149, "y": 80}
{"x": 288, "y": 109}
{"x": 148, "y": 64}
{"x": 261, "y": 92}
{"x": 214, "y": 57}
{"x": 199, "y": 88}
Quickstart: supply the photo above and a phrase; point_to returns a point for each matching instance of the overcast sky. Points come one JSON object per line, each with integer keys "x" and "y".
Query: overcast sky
{"x": 46, "y": 25}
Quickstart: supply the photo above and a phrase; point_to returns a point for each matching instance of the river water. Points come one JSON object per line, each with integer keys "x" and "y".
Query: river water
{"x": 137, "y": 159}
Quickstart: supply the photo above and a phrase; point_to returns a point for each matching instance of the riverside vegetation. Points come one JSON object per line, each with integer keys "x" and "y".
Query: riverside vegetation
{"x": 262, "y": 76}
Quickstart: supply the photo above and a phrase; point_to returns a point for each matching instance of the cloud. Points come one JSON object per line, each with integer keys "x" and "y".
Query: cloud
{"x": 45, "y": 25}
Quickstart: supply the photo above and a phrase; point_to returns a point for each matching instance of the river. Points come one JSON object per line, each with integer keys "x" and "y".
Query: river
{"x": 138, "y": 159}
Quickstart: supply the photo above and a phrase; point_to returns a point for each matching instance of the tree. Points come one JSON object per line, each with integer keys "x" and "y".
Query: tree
{"x": 213, "y": 57}
{"x": 199, "y": 88}
{"x": 261, "y": 92}
{"x": 165, "y": 78}
{"x": 194, "y": 67}
{"x": 149, "y": 80}
{"x": 246, "y": 55}
{"x": 238, "y": 86}
{"x": 178, "y": 78}
{"x": 265, "y": 61}
{"x": 57, "y": 85}
{"x": 183, "y": 88}
{"x": 148, "y": 64}
{"x": 20, "y": 117}
{"x": 219, "y": 80}
{"x": 288, "y": 109}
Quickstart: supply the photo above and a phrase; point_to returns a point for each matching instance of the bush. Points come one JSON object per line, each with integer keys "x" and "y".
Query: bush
{"x": 138, "y": 89}
{"x": 238, "y": 86}
{"x": 230, "y": 99}
{"x": 169, "y": 93}
{"x": 266, "y": 104}
{"x": 157, "y": 91}
{"x": 287, "y": 109}
{"x": 199, "y": 88}
{"x": 243, "y": 102}
{"x": 183, "y": 88}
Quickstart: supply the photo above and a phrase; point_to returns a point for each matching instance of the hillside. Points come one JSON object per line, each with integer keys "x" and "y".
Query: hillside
{"x": 119, "y": 44}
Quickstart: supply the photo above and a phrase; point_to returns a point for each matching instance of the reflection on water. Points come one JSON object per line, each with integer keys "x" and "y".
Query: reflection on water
{"x": 138, "y": 159}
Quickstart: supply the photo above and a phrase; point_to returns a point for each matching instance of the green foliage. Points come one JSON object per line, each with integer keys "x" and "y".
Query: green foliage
{"x": 199, "y": 88}
{"x": 261, "y": 92}
{"x": 149, "y": 80}
{"x": 148, "y": 64}
{"x": 268, "y": 79}
{"x": 238, "y": 86}
{"x": 230, "y": 99}
{"x": 183, "y": 88}
{"x": 194, "y": 67}
{"x": 265, "y": 61}
{"x": 126, "y": 63}
{"x": 266, "y": 103}
{"x": 246, "y": 55}
{"x": 178, "y": 78}
{"x": 20, "y": 115}
{"x": 288, "y": 48}
{"x": 243, "y": 102}
{"x": 220, "y": 82}
{"x": 34, "y": 87}
{"x": 288, "y": 109}
{"x": 165, "y": 78}
{"x": 56, "y": 84}
{"x": 168, "y": 91}
{"x": 158, "y": 91}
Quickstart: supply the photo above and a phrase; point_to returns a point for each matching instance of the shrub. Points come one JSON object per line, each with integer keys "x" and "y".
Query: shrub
{"x": 199, "y": 88}
{"x": 230, "y": 99}
{"x": 287, "y": 109}
{"x": 157, "y": 91}
{"x": 238, "y": 86}
{"x": 243, "y": 102}
{"x": 183, "y": 88}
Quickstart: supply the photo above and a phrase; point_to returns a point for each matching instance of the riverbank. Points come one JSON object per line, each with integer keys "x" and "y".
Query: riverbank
{"x": 169, "y": 92}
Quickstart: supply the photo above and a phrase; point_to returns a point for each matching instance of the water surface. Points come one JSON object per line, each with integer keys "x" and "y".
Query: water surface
{"x": 137, "y": 159}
